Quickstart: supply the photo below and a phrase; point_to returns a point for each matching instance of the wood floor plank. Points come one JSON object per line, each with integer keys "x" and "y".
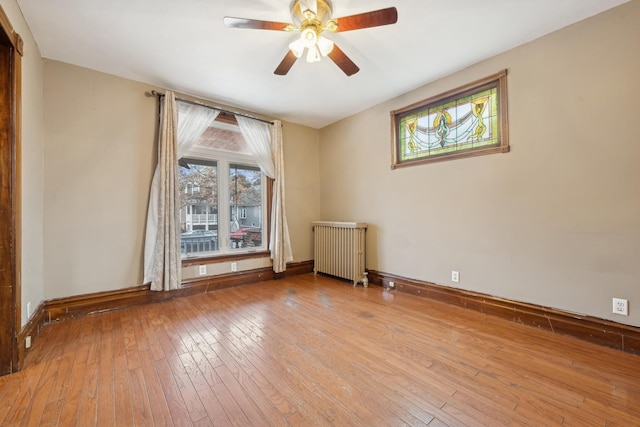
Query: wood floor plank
{"x": 185, "y": 385}
{"x": 177, "y": 407}
{"x": 263, "y": 391}
{"x": 106, "y": 413}
{"x": 311, "y": 350}
{"x": 232, "y": 409}
{"x": 140, "y": 405}
{"x": 208, "y": 360}
{"x": 217, "y": 415}
{"x": 244, "y": 400}
{"x": 334, "y": 405}
{"x": 9, "y": 390}
{"x": 153, "y": 324}
{"x": 58, "y": 389}
{"x": 235, "y": 354}
{"x": 94, "y": 339}
{"x": 278, "y": 375}
{"x": 205, "y": 422}
{"x": 382, "y": 395}
{"x": 152, "y": 386}
{"x": 122, "y": 392}
{"x": 128, "y": 321}
{"x": 23, "y": 400}
{"x": 73, "y": 387}
{"x": 88, "y": 399}
{"x": 51, "y": 414}
{"x": 40, "y": 395}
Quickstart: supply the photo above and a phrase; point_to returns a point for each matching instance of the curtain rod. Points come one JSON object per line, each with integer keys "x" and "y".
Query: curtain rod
{"x": 222, "y": 110}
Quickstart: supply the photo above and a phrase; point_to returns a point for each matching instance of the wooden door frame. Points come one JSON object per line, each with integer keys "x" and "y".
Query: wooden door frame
{"x": 10, "y": 218}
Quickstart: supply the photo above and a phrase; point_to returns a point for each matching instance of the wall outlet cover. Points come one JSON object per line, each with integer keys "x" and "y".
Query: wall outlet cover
{"x": 620, "y": 306}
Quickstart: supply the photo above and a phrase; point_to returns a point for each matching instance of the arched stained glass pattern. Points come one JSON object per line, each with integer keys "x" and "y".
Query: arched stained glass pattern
{"x": 465, "y": 122}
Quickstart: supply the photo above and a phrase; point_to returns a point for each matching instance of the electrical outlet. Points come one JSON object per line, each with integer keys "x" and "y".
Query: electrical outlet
{"x": 455, "y": 276}
{"x": 202, "y": 270}
{"x": 234, "y": 266}
{"x": 392, "y": 285}
{"x": 27, "y": 342}
{"x": 620, "y": 306}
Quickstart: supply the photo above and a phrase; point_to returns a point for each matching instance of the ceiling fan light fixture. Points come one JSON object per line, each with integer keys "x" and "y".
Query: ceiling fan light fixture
{"x": 313, "y": 54}
{"x": 310, "y": 37}
{"x": 325, "y": 45}
{"x": 297, "y": 47}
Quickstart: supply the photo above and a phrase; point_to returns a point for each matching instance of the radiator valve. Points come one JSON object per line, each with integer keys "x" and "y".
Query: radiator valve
{"x": 365, "y": 279}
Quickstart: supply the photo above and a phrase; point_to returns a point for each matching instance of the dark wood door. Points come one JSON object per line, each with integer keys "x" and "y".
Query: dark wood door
{"x": 9, "y": 286}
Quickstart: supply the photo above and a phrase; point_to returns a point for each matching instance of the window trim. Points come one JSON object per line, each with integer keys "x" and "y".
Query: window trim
{"x": 214, "y": 259}
{"x": 498, "y": 81}
{"x": 214, "y": 156}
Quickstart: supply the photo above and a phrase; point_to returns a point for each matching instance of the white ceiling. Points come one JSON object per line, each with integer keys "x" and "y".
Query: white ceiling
{"x": 183, "y": 45}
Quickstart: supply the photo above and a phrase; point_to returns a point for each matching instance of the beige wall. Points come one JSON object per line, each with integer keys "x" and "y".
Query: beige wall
{"x": 99, "y": 159}
{"x": 32, "y": 164}
{"x": 554, "y": 222}
{"x": 98, "y": 164}
{"x": 302, "y": 170}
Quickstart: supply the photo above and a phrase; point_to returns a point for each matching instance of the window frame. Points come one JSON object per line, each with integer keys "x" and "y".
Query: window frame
{"x": 223, "y": 160}
{"x": 497, "y": 81}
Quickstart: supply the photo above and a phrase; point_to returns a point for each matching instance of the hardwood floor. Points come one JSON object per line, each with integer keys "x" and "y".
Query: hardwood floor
{"x": 315, "y": 351}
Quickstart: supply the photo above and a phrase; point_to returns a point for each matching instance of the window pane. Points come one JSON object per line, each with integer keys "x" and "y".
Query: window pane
{"x": 198, "y": 181}
{"x": 223, "y": 136}
{"x": 245, "y": 194}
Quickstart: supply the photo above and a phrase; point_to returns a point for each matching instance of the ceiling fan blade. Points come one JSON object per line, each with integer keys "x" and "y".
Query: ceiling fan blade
{"x": 374, "y": 18}
{"x": 286, "y": 64}
{"x": 343, "y": 61}
{"x": 232, "y": 22}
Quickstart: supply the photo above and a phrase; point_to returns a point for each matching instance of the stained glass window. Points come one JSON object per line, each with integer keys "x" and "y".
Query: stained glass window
{"x": 467, "y": 121}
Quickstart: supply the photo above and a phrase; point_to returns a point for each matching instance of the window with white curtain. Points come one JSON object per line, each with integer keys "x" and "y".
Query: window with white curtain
{"x": 227, "y": 213}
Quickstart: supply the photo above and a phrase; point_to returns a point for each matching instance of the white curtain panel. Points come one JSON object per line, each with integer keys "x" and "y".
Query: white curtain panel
{"x": 193, "y": 121}
{"x": 181, "y": 126}
{"x": 265, "y": 143}
{"x": 256, "y": 134}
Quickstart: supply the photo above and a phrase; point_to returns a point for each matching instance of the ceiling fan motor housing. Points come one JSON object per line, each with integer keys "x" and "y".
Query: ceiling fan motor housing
{"x": 322, "y": 13}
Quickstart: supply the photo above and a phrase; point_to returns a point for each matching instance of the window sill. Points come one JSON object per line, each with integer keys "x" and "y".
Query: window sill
{"x": 224, "y": 258}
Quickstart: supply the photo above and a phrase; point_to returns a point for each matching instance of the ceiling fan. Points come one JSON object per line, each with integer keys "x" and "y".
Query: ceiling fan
{"x": 311, "y": 18}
